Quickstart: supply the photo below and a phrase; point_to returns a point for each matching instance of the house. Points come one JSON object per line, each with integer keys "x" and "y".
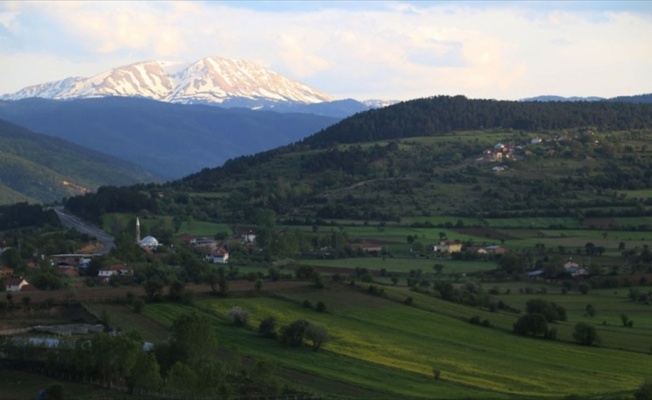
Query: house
{"x": 204, "y": 242}
{"x": 575, "y": 269}
{"x": 6, "y": 272}
{"x": 218, "y": 256}
{"x": 118, "y": 270}
{"x": 15, "y": 284}
{"x": 370, "y": 246}
{"x": 495, "y": 249}
{"x": 247, "y": 235}
{"x": 447, "y": 246}
{"x": 69, "y": 272}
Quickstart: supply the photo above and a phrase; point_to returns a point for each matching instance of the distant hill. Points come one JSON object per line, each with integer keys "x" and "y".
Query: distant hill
{"x": 641, "y": 98}
{"x": 561, "y": 98}
{"x": 172, "y": 140}
{"x": 443, "y": 114}
{"x": 38, "y": 168}
{"x": 429, "y": 157}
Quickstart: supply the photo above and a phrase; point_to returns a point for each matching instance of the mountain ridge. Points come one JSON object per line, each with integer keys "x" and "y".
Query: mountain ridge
{"x": 210, "y": 79}
{"x": 169, "y": 139}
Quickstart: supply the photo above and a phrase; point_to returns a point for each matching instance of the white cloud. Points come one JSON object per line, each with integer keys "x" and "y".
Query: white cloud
{"x": 388, "y": 50}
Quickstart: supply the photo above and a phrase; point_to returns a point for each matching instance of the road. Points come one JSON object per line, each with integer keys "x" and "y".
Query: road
{"x": 71, "y": 221}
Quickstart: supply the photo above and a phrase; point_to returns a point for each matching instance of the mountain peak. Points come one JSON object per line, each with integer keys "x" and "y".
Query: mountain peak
{"x": 208, "y": 80}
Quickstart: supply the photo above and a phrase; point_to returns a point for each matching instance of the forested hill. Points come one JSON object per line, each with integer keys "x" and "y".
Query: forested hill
{"x": 38, "y": 168}
{"x": 443, "y": 114}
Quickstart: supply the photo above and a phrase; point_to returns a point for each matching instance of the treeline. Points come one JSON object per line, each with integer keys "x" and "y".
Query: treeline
{"x": 132, "y": 199}
{"x": 23, "y": 215}
{"x": 444, "y": 114}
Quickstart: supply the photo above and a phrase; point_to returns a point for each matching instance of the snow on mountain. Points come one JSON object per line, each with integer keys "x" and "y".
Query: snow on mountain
{"x": 209, "y": 80}
{"x": 376, "y": 103}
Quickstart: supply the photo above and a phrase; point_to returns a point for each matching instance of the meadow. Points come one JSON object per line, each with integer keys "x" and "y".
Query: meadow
{"x": 382, "y": 345}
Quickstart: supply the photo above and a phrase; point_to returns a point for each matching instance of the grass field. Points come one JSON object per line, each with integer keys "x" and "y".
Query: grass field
{"x": 386, "y": 346}
{"x": 403, "y": 265}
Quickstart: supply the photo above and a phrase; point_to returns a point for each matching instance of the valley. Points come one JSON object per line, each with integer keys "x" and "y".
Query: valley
{"x": 382, "y": 257}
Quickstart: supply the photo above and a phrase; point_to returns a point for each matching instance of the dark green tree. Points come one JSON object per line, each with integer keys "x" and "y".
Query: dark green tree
{"x": 531, "y": 325}
{"x": 586, "y": 334}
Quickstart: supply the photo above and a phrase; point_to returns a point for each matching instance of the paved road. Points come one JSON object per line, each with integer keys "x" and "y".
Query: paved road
{"x": 72, "y": 221}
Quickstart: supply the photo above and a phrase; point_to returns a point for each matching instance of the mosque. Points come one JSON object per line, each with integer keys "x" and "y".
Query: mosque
{"x": 148, "y": 242}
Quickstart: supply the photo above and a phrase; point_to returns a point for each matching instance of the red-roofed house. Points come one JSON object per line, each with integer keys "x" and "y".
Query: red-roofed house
{"x": 15, "y": 284}
{"x": 219, "y": 255}
{"x": 6, "y": 272}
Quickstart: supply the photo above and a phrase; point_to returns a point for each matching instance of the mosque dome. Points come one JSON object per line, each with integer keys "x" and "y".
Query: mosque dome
{"x": 149, "y": 242}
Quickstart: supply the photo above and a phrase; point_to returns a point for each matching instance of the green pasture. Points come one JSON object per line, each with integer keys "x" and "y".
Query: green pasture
{"x": 402, "y": 265}
{"x": 646, "y": 193}
{"x": 532, "y": 222}
{"x": 203, "y": 228}
{"x": 392, "y": 348}
{"x": 25, "y": 385}
{"x": 608, "y": 303}
{"x": 113, "y": 222}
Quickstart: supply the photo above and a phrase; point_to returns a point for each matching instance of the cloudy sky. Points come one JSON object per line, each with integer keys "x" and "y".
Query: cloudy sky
{"x": 361, "y": 50}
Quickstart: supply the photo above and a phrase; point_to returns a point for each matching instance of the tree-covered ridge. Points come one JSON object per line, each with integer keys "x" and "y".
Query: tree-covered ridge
{"x": 445, "y": 114}
{"x": 46, "y": 169}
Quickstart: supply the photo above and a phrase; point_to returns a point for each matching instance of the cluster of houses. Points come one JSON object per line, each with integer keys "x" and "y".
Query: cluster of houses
{"x": 449, "y": 247}
{"x": 502, "y": 152}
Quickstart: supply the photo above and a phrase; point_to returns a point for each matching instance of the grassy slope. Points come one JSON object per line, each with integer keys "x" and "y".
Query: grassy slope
{"x": 393, "y": 348}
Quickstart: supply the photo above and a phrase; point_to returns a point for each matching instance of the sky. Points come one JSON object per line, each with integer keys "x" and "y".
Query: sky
{"x": 396, "y": 50}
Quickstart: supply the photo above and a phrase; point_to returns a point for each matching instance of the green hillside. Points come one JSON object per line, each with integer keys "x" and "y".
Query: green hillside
{"x": 38, "y": 168}
{"x": 382, "y": 345}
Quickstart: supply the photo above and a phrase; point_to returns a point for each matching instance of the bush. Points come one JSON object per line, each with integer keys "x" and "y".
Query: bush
{"x": 239, "y": 316}
{"x": 294, "y": 333}
{"x": 138, "y": 304}
{"x": 318, "y": 335}
{"x": 321, "y": 306}
{"x": 586, "y": 334}
{"x": 531, "y": 325}
{"x": 306, "y": 304}
{"x": 267, "y": 328}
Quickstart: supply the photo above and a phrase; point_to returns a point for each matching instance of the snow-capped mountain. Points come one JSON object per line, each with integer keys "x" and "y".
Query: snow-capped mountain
{"x": 209, "y": 80}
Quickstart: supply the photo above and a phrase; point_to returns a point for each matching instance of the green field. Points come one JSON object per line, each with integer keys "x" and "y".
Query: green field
{"x": 403, "y": 265}
{"x": 382, "y": 345}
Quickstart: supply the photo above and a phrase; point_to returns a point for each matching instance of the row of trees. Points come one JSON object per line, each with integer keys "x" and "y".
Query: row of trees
{"x": 188, "y": 364}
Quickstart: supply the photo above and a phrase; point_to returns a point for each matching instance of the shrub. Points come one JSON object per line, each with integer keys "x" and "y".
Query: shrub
{"x": 267, "y": 328}
{"x": 531, "y": 325}
{"x": 138, "y": 304}
{"x": 321, "y": 306}
{"x": 317, "y": 334}
{"x": 306, "y": 304}
{"x": 294, "y": 333}
{"x": 239, "y": 316}
{"x": 586, "y": 334}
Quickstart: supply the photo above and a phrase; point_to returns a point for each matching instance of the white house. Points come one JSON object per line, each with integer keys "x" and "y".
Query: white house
{"x": 219, "y": 255}
{"x": 119, "y": 270}
{"x": 15, "y": 284}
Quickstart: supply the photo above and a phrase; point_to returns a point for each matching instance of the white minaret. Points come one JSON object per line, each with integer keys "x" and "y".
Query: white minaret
{"x": 137, "y": 231}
